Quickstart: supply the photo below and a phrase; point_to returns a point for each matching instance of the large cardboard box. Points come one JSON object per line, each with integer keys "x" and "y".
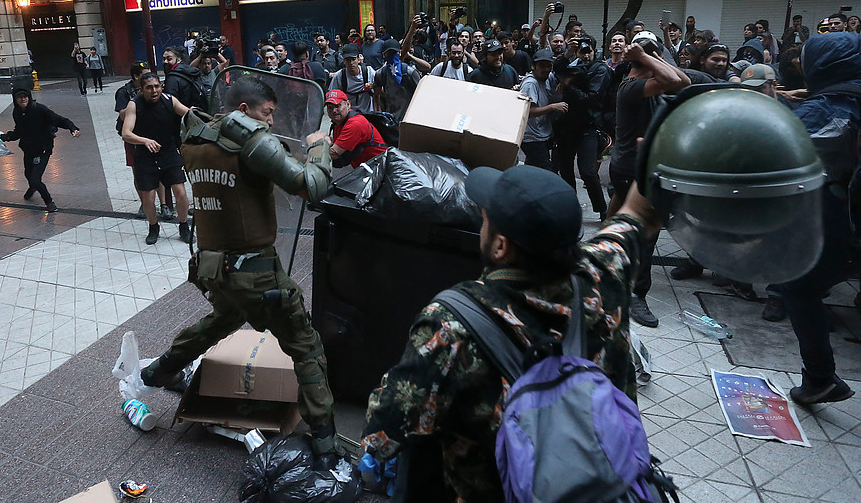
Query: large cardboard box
{"x": 482, "y": 125}
{"x": 244, "y": 381}
{"x": 99, "y": 493}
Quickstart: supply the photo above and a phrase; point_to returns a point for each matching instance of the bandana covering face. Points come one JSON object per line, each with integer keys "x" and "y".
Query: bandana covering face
{"x": 393, "y": 61}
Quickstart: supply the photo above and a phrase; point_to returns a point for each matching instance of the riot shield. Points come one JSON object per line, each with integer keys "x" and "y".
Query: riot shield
{"x": 298, "y": 112}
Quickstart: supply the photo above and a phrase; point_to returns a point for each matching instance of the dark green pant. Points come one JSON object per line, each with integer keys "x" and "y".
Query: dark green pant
{"x": 236, "y": 297}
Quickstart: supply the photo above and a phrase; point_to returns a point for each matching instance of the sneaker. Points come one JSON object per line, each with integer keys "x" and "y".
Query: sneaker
{"x": 688, "y": 270}
{"x": 167, "y": 213}
{"x": 808, "y": 394}
{"x": 184, "y": 232}
{"x": 774, "y": 310}
{"x": 152, "y": 237}
{"x": 29, "y": 194}
{"x": 51, "y": 207}
{"x": 641, "y": 313}
{"x": 743, "y": 290}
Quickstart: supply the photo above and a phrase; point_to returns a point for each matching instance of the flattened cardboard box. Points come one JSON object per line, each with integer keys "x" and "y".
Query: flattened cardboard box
{"x": 99, "y": 493}
{"x": 482, "y": 125}
{"x": 244, "y": 381}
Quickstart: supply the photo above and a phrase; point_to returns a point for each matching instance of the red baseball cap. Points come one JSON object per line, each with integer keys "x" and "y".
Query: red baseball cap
{"x": 336, "y": 96}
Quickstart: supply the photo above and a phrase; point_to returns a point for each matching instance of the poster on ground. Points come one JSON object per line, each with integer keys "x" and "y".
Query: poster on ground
{"x": 753, "y": 407}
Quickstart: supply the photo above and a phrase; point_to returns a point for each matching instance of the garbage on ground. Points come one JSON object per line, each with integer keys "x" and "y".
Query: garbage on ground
{"x": 99, "y": 493}
{"x": 705, "y": 325}
{"x": 244, "y": 381}
{"x": 755, "y": 407}
{"x": 483, "y": 125}
{"x": 4, "y": 150}
{"x": 250, "y": 439}
{"x": 642, "y": 360}
{"x": 132, "y": 489}
{"x": 139, "y": 414}
{"x": 128, "y": 369}
{"x": 419, "y": 187}
{"x": 282, "y": 471}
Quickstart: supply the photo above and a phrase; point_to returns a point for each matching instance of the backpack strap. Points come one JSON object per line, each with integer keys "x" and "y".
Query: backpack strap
{"x": 505, "y": 356}
{"x": 444, "y": 68}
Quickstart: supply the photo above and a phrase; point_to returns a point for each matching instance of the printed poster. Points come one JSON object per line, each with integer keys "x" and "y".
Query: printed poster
{"x": 753, "y": 407}
{"x": 366, "y": 14}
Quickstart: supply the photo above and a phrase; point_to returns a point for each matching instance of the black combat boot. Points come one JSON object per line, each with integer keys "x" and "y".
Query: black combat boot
{"x": 163, "y": 372}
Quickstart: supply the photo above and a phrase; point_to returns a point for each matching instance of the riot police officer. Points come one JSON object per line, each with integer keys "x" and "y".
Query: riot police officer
{"x": 233, "y": 163}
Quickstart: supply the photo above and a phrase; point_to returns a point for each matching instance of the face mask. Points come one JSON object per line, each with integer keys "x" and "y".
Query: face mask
{"x": 167, "y": 67}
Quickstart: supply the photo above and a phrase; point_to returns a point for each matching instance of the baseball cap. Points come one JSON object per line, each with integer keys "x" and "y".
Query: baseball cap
{"x": 525, "y": 26}
{"x": 350, "y": 51}
{"x": 335, "y": 96}
{"x": 391, "y": 45}
{"x": 714, "y": 48}
{"x": 740, "y": 65}
{"x": 492, "y": 45}
{"x": 648, "y": 41}
{"x": 531, "y": 206}
{"x": 756, "y": 75}
{"x": 543, "y": 55}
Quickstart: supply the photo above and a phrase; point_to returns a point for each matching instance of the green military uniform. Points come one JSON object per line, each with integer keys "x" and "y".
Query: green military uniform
{"x": 237, "y": 264}
{"x": 444, "y": 386}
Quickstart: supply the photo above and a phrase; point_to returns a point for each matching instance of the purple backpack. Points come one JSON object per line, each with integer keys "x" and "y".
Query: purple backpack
{"x": 567, "y": 434}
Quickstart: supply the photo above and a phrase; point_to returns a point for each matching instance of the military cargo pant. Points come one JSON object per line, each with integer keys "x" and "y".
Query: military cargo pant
{"x": 237, "y": 297}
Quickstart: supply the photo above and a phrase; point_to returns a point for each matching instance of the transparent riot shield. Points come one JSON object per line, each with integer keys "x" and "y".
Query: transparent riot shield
{"x": 298, "y": 113}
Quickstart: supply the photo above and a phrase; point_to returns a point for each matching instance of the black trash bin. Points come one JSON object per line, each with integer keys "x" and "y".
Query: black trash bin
{"x": 372, "y": 276}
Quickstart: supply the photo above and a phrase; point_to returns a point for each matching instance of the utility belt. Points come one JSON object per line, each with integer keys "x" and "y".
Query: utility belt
{"x": 215, "y": 266}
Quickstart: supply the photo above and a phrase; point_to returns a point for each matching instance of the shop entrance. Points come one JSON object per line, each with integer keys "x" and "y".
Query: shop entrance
{"x": 51, "y": 31}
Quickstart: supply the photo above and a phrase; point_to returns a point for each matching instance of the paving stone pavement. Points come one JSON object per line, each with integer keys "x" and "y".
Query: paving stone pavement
{"x": 72, "y": 283}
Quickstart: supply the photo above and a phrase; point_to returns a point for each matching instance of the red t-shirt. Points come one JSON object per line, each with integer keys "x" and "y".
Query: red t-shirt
{"x": 355, "y": 132}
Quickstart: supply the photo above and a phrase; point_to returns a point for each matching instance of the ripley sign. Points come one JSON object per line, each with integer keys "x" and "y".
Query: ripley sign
{"x": 50, "y": 22}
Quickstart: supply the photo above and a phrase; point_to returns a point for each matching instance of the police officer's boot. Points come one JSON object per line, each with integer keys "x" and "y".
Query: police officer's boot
{"x": 324, "y": 443}
{"x": 163, "y": 372}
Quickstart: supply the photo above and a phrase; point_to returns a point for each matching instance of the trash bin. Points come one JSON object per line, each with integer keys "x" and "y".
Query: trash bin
{"x": 25, "y": 81}
{"x": 372, "y": 276}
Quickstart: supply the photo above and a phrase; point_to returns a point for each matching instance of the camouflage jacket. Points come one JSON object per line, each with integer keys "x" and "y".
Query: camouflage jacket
{"x": 443, "y": 386}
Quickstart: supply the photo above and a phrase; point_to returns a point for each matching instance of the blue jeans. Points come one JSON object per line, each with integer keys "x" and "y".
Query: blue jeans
{"x": 803, "y": 296}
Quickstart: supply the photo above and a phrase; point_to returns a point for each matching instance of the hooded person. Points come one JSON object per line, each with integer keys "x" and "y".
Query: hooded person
{"x": 751, "y": 51}
{"x": 395, "y": 83}
{"x": 35, "y": 125}
{"x": 833, "y": 118}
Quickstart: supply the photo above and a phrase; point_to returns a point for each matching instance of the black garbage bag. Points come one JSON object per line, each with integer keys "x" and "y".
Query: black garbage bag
{"x": 281, "y": 471}
{"x": 419, "y": 187}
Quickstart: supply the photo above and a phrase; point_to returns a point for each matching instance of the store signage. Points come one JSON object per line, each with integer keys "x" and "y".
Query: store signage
{"x": 50, "y": 22}
{"x": 366, "y": 13}
{"x": 135, "y": 5}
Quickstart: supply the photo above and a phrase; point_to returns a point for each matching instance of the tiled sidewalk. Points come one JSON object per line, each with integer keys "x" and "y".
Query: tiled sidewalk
{"x": 85, "y": 282}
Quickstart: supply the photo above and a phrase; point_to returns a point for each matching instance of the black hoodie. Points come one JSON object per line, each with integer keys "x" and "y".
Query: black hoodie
{"x": 184, "y": 84}
{"x": 35, "y": 126}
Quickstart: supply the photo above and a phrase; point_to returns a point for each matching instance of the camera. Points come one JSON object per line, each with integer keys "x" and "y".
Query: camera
{"x": 206, "y": 45}
{"x": 459, "y": 12}
{"x": 424, "y": 18}
{"x": 558, "y": 8}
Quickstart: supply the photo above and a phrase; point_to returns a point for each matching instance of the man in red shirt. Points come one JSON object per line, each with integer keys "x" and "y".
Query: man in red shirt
{"x": 355, "y": 139}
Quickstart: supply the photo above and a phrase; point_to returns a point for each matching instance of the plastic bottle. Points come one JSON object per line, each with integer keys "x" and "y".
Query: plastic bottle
{"x": 139, "y": 414}
{"x": 704, "y": 324}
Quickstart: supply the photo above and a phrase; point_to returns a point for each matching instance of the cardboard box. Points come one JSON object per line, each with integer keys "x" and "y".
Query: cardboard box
{"x": 99, "y": 493}
{"x": 244, "y": 381}
{"x": 482, "y": 125}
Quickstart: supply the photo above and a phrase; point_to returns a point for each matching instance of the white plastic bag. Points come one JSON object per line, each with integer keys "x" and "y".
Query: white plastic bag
{"x": 3, "y": 149}
{"x": 642, "y": 360}
{"x": 128, "y": 369}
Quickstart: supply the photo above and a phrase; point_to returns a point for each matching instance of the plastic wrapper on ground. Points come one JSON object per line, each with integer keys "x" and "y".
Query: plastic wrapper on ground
{"x": 281, "y": 471}
{"x": 419, "y": 187}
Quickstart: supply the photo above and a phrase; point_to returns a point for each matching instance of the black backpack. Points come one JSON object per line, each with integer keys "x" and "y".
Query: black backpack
{"x": 386, "y": 124}
{"x": 197, "y": 96}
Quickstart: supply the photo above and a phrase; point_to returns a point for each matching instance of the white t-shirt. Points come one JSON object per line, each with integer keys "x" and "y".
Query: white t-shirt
{"x": 360, "y": 101}
{"x": 451, "y": 72}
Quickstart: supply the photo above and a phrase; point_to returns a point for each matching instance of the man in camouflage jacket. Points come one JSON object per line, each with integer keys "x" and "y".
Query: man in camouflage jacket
{"x": 444, "y": 387}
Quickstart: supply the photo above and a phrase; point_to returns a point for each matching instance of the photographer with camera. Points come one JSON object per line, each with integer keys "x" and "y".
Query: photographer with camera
{"x": 584, "y": 88}
{"x": 552, "y": 8}
{"x": 209, "y": 60}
